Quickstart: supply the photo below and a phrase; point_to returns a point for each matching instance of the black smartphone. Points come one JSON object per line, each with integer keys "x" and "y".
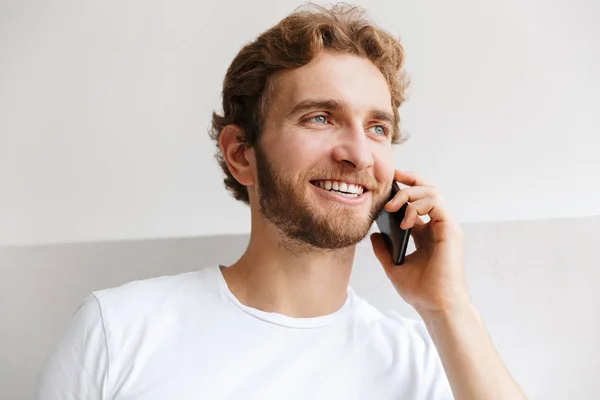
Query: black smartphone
{"x": 396, "y": 238}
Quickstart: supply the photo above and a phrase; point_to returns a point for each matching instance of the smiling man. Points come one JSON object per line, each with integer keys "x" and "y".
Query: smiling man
{"x": 310, "y": 114}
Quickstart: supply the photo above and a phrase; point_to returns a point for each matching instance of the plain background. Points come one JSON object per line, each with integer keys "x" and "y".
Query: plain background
{"x": 105, "y": 109}
{"x": 107, "y": 172}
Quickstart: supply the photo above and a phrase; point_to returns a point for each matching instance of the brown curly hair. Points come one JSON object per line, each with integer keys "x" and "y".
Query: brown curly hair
{"x": 292, "y": 43}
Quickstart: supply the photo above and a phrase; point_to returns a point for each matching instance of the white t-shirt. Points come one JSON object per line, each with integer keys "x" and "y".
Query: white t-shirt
{"x": 187, "y": 336}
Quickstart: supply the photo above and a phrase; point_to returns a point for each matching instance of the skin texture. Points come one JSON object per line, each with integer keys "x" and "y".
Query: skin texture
{"x": 303, "y": 239}
{"x": 279, "y": 272}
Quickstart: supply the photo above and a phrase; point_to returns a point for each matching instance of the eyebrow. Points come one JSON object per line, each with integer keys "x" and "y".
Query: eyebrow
{"x": 335, "y": 105}
{"x": 384, "y": 116}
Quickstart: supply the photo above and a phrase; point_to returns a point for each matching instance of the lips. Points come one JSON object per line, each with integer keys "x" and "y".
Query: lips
{"x": 341, "y": 187}
{"x": 350, "y": 199}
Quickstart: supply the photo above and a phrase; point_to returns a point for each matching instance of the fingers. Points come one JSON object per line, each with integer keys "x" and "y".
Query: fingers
{"x": 409, "y": 194}
{"x": 423, "y": 198}
{"x": 380, "y": 249}
{"x": 410, "y": 178}
{"x": 422, "y": 201}
{"x": 427, "y": 206}
{"x": 420, "y": 222}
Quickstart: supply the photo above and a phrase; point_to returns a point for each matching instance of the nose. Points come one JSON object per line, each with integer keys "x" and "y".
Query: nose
{"x": 353, "y": 148}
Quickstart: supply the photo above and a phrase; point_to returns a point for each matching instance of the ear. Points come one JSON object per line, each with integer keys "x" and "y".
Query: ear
{"x": 238, "y": 156}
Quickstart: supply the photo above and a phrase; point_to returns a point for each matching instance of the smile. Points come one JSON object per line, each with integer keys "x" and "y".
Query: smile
{"x": 352, "y": 195}
{"x": 341, "y": 188}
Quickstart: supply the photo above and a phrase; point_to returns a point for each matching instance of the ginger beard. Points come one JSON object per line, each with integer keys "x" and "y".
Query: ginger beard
{"x": 286, "y": 205}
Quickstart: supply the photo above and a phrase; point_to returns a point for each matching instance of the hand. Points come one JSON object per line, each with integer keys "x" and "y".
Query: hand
{"x": 432, "y": 277}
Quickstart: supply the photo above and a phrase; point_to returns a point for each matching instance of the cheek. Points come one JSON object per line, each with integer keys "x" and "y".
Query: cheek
{"x": 383, "y": 166}
{"x": 302, "y": 151}
{"x": 291, "y": 159}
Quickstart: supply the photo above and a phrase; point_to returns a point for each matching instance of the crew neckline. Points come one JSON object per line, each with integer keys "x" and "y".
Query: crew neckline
{"x": 281, "y": 319}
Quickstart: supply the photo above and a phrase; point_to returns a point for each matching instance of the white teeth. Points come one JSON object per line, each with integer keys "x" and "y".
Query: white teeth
{"x": 349, "y": 188}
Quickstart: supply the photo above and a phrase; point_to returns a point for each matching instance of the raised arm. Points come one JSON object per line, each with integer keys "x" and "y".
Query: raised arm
{"x": 432, "y": 281}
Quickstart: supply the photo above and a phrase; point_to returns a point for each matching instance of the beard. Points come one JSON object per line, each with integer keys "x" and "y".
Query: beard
{"x": 285, "y": 204}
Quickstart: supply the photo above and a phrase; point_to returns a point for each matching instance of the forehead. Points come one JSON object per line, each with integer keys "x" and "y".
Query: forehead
{"x": 352, "y": 79}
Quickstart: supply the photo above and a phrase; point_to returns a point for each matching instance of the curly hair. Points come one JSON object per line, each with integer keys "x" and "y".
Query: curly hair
{"x": 292, "y": 43}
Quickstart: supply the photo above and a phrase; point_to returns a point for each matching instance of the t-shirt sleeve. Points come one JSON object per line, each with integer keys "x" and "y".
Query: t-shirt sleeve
{"x": 78, "y": 367}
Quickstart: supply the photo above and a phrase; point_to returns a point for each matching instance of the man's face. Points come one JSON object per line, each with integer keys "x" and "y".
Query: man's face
{"x": 329, "y": 126}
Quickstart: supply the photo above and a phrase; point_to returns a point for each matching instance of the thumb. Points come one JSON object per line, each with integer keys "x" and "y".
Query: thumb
{"x": 381, "y": 251}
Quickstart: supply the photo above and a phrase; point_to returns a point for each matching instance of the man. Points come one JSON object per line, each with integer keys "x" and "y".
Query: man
{"x": 310, "y": 112}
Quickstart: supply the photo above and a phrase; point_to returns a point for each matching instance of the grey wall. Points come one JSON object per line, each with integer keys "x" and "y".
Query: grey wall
{"x": 536, "y": 283}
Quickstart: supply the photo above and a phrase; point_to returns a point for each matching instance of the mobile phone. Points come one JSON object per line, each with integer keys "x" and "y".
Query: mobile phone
{"x": 396, "y": 238}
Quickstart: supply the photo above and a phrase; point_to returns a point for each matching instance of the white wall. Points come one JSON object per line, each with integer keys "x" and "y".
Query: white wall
{"x": 104, "y": 110}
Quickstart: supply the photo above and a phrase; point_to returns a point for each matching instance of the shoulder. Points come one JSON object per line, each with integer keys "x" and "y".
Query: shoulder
{"x": 137, "y": 298}
{"x": 112, "y": 327}
{"x": 78, "y": 366}
{"x": 151, "y": 307}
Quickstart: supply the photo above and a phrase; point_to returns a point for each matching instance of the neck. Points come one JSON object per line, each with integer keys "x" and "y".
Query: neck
{"x": 277, "y": 275}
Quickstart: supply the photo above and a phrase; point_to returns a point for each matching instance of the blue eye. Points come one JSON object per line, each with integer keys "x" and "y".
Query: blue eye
{"x": 379, "y": 130}
{"x": 319, "y": 119}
